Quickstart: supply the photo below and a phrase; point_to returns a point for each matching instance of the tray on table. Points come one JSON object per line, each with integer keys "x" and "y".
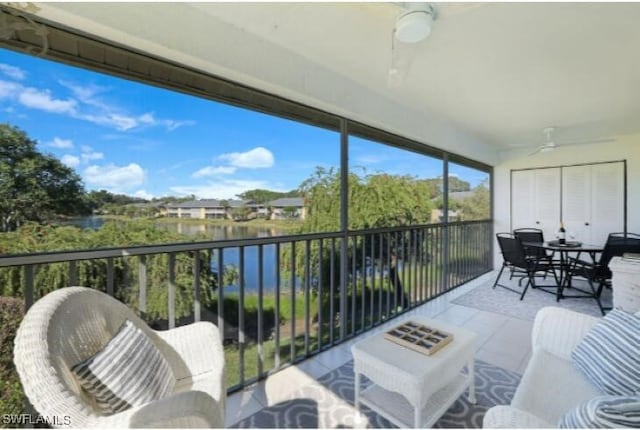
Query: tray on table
{"x": 419, "y": 337}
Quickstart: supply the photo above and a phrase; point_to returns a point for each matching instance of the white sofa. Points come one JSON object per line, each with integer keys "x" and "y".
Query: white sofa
{"x": 550, "y": 386}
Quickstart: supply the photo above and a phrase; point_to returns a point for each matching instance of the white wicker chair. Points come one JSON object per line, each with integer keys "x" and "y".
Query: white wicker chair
{"x": 72, "y": 324}
{"x": 550, "y": 385}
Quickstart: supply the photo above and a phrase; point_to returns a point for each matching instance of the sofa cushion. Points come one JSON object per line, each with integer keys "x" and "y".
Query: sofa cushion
{"x": 609, "y": 355}
{"x": 128, "y": 371}
{"x": 604, "y": 412}
{"x": 550, "y": 386}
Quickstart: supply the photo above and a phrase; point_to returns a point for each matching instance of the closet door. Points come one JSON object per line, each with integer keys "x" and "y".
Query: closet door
{"x": 593, "y": 201}
{"x": 576, "y": 202}
{"x": 607, "y": 201}
{"x": 547, "y": 194}
{"x": 535, "y": 200}
{"x": 522, "y": 198}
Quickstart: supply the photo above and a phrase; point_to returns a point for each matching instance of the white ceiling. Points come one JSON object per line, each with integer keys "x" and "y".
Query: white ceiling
{"x": 496, "y": 72}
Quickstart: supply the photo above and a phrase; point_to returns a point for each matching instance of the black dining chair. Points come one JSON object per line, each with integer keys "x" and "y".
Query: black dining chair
{"x": 514, "y": 257}
{"x": 534, "y": 235}
{"x": 598, "y": 273}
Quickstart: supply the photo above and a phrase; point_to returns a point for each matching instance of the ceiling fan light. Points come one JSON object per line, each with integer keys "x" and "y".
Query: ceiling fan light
{"x": 414, "y": 26}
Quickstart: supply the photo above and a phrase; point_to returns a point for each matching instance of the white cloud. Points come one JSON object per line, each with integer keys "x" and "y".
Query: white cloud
{"x": 38, "y": 99}
{"x": 88, "y": 154}
{"x": 70, "y": 160}
{"x": 370, "y": 159}
{"x": 225, "y": 189}
{"x": 171, "y": 124}
{"x": 143, "y": 194}
{"x": 60, "y": 143}
{"x": 85, "y": 105}
{"x": 255, "y": 158}
{"x": 113, "y": 177}
{"x": 86, "y": 93}
{"x": 13, "y": 72}
{"x": 9, "y": 89}
{"x": 214, "y": 171}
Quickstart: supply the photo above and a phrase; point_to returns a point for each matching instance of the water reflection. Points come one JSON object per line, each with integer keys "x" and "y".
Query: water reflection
{"x": 222, "y": 232}
{"x": 209, "y": 231}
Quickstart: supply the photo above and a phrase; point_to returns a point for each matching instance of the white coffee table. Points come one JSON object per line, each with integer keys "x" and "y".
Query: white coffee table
{"x": 411, "y": 389}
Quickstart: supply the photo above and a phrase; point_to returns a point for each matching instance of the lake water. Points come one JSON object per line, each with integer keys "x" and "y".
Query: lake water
{"x": 231, "y": 255}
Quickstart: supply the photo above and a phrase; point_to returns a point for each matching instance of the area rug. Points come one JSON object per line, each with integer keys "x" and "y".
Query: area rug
{"x": 328, "y": 403}
{"x": 505, "y": 302}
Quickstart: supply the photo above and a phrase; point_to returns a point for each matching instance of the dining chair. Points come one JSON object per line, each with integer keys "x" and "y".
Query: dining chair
{"x": 530, "y": 234}
{"x": 514, "y": 257}
{"x": 598, "y": 273}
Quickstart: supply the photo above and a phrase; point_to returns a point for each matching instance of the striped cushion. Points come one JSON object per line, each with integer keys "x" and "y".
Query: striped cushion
{"x": 604, "y": 412}
{"x": 609, "y": 355}
{"x": 128, "y": 371}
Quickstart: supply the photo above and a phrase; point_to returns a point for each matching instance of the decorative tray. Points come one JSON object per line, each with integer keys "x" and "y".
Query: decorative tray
{"x": 567, "y": 244}
{"x": 418, "y": 337}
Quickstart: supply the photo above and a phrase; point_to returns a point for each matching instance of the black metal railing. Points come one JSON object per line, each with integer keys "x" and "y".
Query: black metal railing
{"x": 275, "y": 300}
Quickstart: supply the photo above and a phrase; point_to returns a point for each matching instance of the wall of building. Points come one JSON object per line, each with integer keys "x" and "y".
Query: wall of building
{"x": 625, "y": 148}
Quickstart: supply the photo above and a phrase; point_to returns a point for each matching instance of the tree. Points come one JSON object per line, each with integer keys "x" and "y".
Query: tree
{"x": 34, "y": 186}
{"x": 264, "y": 196}
{"x": 478, "y": 205}
{"x": 240, "y": 213}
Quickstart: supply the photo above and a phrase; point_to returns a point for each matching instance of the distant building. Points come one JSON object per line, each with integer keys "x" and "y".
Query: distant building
{"x": 288, "y": 207}
{"x": 291, "y": 207}
{"x": 205, "y": 208}
{"x": 437, "y": 215}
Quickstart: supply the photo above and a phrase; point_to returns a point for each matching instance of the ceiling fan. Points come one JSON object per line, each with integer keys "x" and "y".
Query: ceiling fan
{"x": 549, "y": 143}
{"x": 413, "y": 25}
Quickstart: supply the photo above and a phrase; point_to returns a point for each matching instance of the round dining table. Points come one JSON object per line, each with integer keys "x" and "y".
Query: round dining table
{"x": 569, "y": 255}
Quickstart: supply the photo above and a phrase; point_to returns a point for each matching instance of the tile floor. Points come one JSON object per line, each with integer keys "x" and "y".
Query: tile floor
{"x": 502, "y": 341}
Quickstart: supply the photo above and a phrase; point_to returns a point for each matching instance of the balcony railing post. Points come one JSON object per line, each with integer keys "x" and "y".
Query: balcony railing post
{"x": 320, "y": 293}
{"x": 293, "y": 302}
{"x": 354, "y": 282}
{"x": 241, "y": 327}
{"x": 142, "y": 286}
{"x": 363, "y": 272}
{"x": 171, "y": 286}
{"x": 332, "y": 286}
{"x": 220, "y": 288}
{"x": 196, "y": 286}
{"x": 110, "y": 276}
{"x": 277, "y": 308}
{"x": 307, "y": 287}
{"x": 29, "y": 293}
{"x": 344, "y": 223}
{"x": 260, "y": 310}
{"x": 73, "y": 273}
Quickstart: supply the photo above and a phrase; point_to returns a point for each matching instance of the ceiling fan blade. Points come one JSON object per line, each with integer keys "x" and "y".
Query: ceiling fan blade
{"x": 587, "y": 141}
{"x": 538, "y": 149}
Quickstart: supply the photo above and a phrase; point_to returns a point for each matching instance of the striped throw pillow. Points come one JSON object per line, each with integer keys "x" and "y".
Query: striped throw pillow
{"x": 609, "y": 355}
{"x": 604, "y": 412}
{"x": 128, "y": 371}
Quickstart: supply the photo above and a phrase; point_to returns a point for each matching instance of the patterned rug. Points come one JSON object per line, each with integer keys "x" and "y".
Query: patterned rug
{"x": 328, "y": 403}
{"x": 505, "y": 302}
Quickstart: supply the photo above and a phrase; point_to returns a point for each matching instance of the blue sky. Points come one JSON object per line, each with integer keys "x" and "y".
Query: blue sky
{"x": 143, "y": 141}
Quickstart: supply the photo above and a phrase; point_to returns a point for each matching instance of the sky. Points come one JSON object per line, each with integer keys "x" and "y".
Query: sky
{"x": 135, "y": 139}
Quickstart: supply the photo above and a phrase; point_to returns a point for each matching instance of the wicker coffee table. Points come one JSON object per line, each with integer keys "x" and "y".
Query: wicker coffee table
{"x": 411, "y": 389}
